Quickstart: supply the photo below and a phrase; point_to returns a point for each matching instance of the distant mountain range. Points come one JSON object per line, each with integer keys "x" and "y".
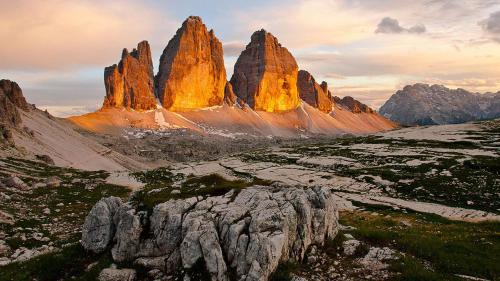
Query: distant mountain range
{"x": 423, "y": 104}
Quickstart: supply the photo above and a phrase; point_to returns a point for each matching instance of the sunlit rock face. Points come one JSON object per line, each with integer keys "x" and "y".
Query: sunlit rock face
{"x": 265, "y": 75}
{"x": 191, "y": 73}
{"x": 314, "y": 94}
{"x": 130, "y": 84}
{"x": 230, "y": 97}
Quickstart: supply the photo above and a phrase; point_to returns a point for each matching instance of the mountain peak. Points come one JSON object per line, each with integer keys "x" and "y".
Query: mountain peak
{"x": 314, "y": 94}
{"x": 425, "y": 104}
{"x": 265, "y": 75}
{"x": 130, "y": 83}
{"x": 191, "y": 73}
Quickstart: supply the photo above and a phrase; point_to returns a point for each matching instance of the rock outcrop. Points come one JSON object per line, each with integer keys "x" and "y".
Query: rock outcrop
{"x": 11, "y": 101}
{"x": 130, "y": 84}
{"x": 242, "y": 235}
{"x": 354, "y": 105}
{"x": 191, "y": 73}
{"x": 314, "y": 94}
{"x": 99, "y": 225}
{"x": 14, "y": 93}
{"x": 11, "y": 98}
{"x": 423, "y": 104}
{"x": 230, "y": 97}
{"x": 265, "y": 75}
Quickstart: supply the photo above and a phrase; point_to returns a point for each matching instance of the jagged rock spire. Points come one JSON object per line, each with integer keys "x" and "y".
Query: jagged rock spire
{"x": 314, "y": 94}
{"x": 130, "y": 84}
{"x": 191, "y": 73}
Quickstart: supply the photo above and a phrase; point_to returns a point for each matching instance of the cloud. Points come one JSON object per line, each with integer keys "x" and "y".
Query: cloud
{"x": 55, "y": 34}
{"x": 391, "y": 26}
{"x": 491, "y": 26}
{"x": 233, "y": 48}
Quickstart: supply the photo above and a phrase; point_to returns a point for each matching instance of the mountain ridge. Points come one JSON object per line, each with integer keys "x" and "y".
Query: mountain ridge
{"x": 424, "y": 104}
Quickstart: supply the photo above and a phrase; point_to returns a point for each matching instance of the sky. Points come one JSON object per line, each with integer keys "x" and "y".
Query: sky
{"x": 57, "y": 49}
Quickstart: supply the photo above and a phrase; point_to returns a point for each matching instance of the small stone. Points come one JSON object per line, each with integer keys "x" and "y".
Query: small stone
{"x": 405, "y": 223}
{"x": 6, "y": 218}
{"x": 350, "y": 246}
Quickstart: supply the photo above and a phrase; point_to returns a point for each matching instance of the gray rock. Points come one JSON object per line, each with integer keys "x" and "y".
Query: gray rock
{"x": 16, "y": 182}
{"x": 99, "y": 227}
{"x": 128, "y": 232}
{"x": 111, "y": 274}
{"x": 350, "y": 246}
{"x": 248, "y": 235}
{"x": 6, "y": 218}
{"x": 53, "y": 181}
{"x": 298, "y": 278}
{"x": 4, "y": 249}
{"x": 423, "y": 104}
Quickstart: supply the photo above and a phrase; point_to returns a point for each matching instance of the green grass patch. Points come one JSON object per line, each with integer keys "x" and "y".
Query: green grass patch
{"x": 450, "y": 247}
{"x": 69, "y": 263}
{"x": 209, "y": 185}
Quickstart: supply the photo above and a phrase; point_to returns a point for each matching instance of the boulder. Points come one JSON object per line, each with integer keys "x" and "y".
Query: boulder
{"x": 314, "y": 94}
{"x": 53, "y": 181}
{"x": 191, "y": 73}
{"x": 99, "y": 227}
{"x": 16, "y": 182}
{"x": 46, "y": 159}
{"x": 247, "y": 234}
{"x": 130, "y": 84}
{"x": 6, "y": 218}
{"x": 112, "y": 274}
{"x": 265, "y": 75}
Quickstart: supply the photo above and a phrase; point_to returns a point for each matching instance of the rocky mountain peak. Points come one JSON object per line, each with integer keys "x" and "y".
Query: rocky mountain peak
{"x": 265, "y": 75}
{"x": 14, "y": 93}
{"x": 354, "y": 105}
{"x": 314, "y": 94}
{"x": 425, "y": 104}
{"x": 130, "y": 84}
{"x": 191, "y": 73}
{"x": 11, "y": 100}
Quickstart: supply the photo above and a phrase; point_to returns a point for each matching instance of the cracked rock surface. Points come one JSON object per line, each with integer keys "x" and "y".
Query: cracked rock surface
{"x": 243, "y": 236}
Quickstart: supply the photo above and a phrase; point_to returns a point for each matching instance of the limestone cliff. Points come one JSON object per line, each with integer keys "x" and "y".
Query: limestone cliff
{"x": 130, "y": 83}
{"x": 192, "y": 73}
{"x": 265, "y": 75}
{"x": 314, "y": 94}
